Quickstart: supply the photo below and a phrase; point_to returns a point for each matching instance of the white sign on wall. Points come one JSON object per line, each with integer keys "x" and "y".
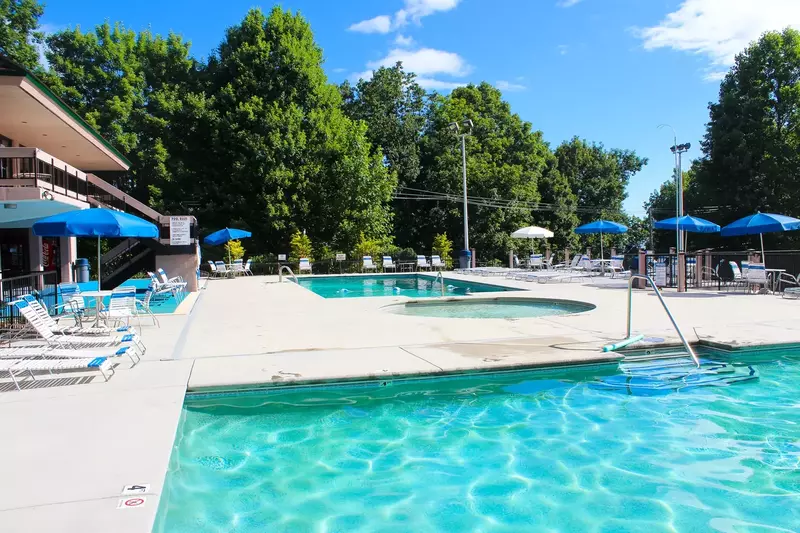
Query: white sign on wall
{"x": 341, "y": 257}
{"x": 281, "y": 257}
{"x": 180, "y": 231}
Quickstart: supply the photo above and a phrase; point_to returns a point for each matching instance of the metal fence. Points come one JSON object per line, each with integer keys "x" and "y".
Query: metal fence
{"x": 44, "y": 285}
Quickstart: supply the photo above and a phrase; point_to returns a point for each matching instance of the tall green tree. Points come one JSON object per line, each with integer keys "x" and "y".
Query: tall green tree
{"x": 598, "y": 177}
{"x": 19, "y": 31}
{"x": 393, "y": 105}
{"x": 130, "y": 87}
{"x": 280, "y": 154}
{"x": 505, "y": 161}
{"x": 751, "y": 148}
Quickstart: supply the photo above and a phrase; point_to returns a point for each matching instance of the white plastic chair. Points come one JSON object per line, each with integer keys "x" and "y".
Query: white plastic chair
{"x": 388, "y": 264}
{"x": 617, "y": 268}
{"x": 305, "y": 265}
{"x": 367, "y": 264}
{"x": 756, "y": 275}
{"x": 536, "y": 261}
{"x": 436, "y": 263}
{"x": 422, "y": 263}
{"x": 247, "y": 270}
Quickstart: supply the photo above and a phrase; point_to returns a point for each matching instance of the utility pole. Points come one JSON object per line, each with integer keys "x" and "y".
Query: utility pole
{"x": 456, "y": 127}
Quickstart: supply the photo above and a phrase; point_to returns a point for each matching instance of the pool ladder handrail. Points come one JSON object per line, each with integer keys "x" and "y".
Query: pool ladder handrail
{"x": 280, "y": 274}
{"x": 440, "y": 277}
{"x": 666, "y": 309}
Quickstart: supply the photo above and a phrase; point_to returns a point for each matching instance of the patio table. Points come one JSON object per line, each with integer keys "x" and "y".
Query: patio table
{"x": 98, "y": 298}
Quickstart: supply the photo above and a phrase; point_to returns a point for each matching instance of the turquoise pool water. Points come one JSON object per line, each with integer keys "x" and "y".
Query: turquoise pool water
{"x": 498, "y": 308}
{"x": 411, "y": 285}
{"x": 494, "y": 453}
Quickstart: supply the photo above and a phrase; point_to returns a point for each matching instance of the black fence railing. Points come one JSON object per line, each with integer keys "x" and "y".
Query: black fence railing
{"x": 43, "y": 285}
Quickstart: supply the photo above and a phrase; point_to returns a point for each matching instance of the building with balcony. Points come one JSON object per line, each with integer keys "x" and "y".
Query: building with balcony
{"x": 48, "y": 156}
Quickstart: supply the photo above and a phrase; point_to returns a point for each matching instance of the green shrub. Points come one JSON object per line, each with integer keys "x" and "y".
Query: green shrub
{"x": 443, "y": 247}
{"x": 407, "y": 254}
{"x": 301, "y": 247}
{"x": 234, "y": 250}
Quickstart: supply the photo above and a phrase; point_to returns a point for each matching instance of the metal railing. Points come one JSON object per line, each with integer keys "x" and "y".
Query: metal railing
{"x": 666, "y": 309}
{"x": 42, "y": 284}
{"x": 440, "y": 277}
{"x": 280, "y": 274}
{"x": 31, "y": 167}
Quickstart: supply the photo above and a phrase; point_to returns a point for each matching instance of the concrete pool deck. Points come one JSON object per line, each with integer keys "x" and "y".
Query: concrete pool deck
{"x": 70, "y": 449}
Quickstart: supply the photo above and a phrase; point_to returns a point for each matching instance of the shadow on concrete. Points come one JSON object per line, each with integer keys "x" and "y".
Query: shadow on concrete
{"x": 44, "y": 382}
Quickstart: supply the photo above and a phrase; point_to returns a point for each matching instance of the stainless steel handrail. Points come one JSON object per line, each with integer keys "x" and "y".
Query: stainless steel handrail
{"x": 440, "y": 277}
{"x": 280, "y": 274}
{"x": 666, "y": 309}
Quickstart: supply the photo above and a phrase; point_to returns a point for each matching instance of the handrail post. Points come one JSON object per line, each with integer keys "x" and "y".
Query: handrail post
{"x": 666, "y": 309}
{"x": 280, "y": 274}
{"x": 440, "y": 277}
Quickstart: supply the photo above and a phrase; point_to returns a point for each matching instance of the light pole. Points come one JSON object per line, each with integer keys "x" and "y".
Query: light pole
{"x": 678, "y": 185}
{"x": 456, "y": 127}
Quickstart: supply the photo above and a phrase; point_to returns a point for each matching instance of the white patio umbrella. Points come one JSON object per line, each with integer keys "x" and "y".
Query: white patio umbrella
{"x": 532, "y": 232}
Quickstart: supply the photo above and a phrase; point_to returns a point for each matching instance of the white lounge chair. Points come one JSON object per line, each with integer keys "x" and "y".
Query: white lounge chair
{"x": 76, "y": 341}
{"x": 177, "y": 284}
{"x": 536, "y": 261}
{"x": 436, "y": 263}
{"x": 422, "y": 263}
{"x": 16, "y": 367}
{"x": 121, "y": 306}
{"x": 388, "y": 264}
{"x": 367, "y": 264}
{"x": 72, "y": 303}
{"x": 214, "y": 272}
{"x": 305, "y": 265}
{"x": 570, "y": 266}
{"x": 739, "y": 279}
{"x": 246, "y": 268}
{"x": 617, "y": 268}
{"x": 55, "y": 327}
{"x": 756, "y": 275}
{"x": 222, "y": 270}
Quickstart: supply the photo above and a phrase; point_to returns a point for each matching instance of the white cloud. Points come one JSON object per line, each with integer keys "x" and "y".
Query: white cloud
{"x": 719, "y": 29}
{"x": 715, "y": 76}
{"x": 568, "y": 3}
{"x": 402, "y": 40}
{"x": 563, "y": 49}
{"x": 379, "y": 24}
{"x": 339, "y": 70}
{"x": 424, "y": 62}
{"x": 504, "y": 85}
{"x": 413, "y": 11}
{"x": 431, "y": 83}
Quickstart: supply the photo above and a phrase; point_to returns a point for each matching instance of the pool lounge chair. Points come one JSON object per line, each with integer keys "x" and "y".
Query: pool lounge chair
{"x": 756, "y": 275}
{"x": 178, "y": 284}
{"x": 436, "y": 263}
{"x": 536, "y": 261}
{"x": 55, "y": 327}
{"x": 367, "y": 265}
{"x": 17, "y": 367}
{"x": 569, "y": 266}
{"x": 76, "y": 341}
{"x": 616, "y": 267}
{"x": 305, "y": 265}
{"x": 214, "y": 272}
{"x": 738, "y": 279}
{"x": 388, "y": 264}
{"x": 422, "y": 263}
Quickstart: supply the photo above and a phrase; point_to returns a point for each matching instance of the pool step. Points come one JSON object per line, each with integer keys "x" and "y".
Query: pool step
{"x": 666, "y": 375}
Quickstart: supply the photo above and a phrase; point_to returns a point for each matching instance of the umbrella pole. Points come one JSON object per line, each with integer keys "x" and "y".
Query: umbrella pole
{"x": 763, "y": 257}
{"x": 99, "y": 285}
{"x": 602, "y": 266}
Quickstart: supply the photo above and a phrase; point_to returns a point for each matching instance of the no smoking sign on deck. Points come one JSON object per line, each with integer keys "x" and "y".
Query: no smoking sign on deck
{"x": 132, "y": 503}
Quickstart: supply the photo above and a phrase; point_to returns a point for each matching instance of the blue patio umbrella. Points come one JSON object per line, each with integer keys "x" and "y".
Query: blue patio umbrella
{"x": 760, "y": 223}
{"x": 601, "y": 226}
{"x": 97, "y": 222}
{"x": 687, "y": 223}
{"x": 224, "y": 235}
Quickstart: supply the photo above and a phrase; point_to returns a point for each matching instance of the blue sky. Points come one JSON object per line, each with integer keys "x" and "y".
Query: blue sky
{"x": 609, "y": 71}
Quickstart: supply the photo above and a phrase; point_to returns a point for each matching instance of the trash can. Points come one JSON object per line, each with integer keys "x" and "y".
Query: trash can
{"x": 81, "y": 270}
{"x": 465, "y": 259}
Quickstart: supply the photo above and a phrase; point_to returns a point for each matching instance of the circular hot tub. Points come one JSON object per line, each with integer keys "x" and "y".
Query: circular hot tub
{"x": 505, "y": 308}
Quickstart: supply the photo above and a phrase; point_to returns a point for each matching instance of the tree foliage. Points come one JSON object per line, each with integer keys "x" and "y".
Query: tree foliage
{"x": 19, "y": 31}
{"x": 301, "y": 247}
{"x": 443, "y": 247}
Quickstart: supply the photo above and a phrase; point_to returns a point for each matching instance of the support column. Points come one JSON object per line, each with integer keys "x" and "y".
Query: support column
{"x": 35, "y": 255}
{"x": 184, "y": 265}
{"x": 640, "y": 283}
{"x": 68, "y": 251}
{"x": 682, "y": 272}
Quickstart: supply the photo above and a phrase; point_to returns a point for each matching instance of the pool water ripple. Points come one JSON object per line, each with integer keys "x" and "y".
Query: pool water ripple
{"x": 497, "y": 453}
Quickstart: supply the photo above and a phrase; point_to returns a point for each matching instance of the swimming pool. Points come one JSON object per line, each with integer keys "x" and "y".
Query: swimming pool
{"x": 532, "y": 451}
{"x": 504, "y": 308}
{"x": 411, "y": 285}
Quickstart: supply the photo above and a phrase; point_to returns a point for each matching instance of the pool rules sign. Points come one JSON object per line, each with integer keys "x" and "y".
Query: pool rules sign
{"x": 180, "y": 231}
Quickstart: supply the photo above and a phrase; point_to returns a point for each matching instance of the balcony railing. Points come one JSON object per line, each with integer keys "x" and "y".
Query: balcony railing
{"x": 31, "y": 167}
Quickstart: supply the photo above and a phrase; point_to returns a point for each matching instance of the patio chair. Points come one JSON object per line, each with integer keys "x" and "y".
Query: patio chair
{"x": 29, "y": 366}
{"x": 388, "y": 264}
{"x": 121, "y": 306}
{"x": 436, "y": 263}
{"x": 305, "y": 265}
{"x": 72, "y": 303}
{"x": 162, "y": 289}
{"x": 569, "y": 266}
{"x": 144, "y": 305}
{"x": 246, "y": 268}
{"x": 536, "y": 261}
{"x": 368, "y": 265}
{"x": 54, "y": 340}
{"x": 213, "y": 267}
{"x": 177, "y": 283}
{"x": 422, "y": 263}
{"x": 738, "y": 279}
{"x": 237, "y": 267}
{"x": 222, "y": 270}
{"x": 756, "y": 275}
{"x": 617, "y": 268}
{"x": 39, "y": 309}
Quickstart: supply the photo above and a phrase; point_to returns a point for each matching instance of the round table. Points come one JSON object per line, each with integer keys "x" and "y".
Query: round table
{"x": 98, "y": 298}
